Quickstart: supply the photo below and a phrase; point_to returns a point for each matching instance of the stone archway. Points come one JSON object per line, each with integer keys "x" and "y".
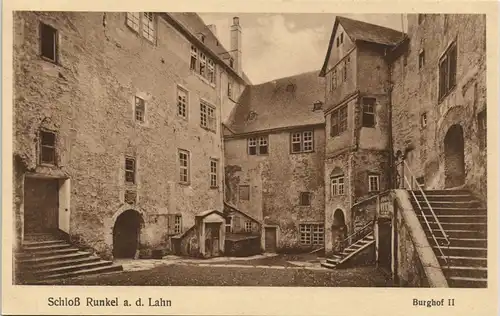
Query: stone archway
{"x": 454, "y": 164}
{"x": 339, "y": 230}
{"x": 126, "y": 234}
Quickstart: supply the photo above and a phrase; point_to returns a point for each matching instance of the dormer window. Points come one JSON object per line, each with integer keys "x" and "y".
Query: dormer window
{"x": 231, "y": 63}
{"x": 341, "y": 38}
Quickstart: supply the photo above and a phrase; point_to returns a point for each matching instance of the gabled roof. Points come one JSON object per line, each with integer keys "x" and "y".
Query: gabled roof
{"x": 281, "y": 103}
{"x": 197, "y": 27}
{"x": 363, "y": 31}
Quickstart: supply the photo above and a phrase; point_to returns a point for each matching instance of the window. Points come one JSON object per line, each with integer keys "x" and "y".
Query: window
{"x": 481, "y": 122}
{"x": 346, "y": 67}
{"x": 203, "y": 64}
{"x": 146, "y": 28}
{"x": 258, "y": 146}
{"x": 47, "y": 147}
{"x": 140, "y": 108}
{"x": 213, "y": 173}
{"x": 207, "y": 116}
{"x": 337, "y": 185}
{"x": 421, "y": 18}
{"x": 305, "y": 198}
{"x": 129, "y": 170}
{"x": 421, "y": 59}
{"x": 230, "y": 89}
{"x": 182, "y": 102}
{"x": 48, "y": 42}
{"x": 130, "y": 196}
{"x": 311, "y": 234}
{"x": 252, "y": 146}
{"x": 447, "y": 71}
{"x": 178, "y": 224}
{"x": 244, "y": 192}
{"x": 248, "y": 227}
{"x": 333, "y": 83}
{"x": 341, "y": 38}
{"x": 263, "y": 146}
{"x": 302, "y": 142}
{"x": 228, "y": 224}
{"x": 373, "y": 183}
{"x": 194, "y": 58}
{"x": 423, "y": 120}
{"x": 211, "y": 71}
{"x": 183, "y": 166}
{"x": 338, "y": 121}
{"x": 369, "y": 112}
{"x": 231, "y": 63}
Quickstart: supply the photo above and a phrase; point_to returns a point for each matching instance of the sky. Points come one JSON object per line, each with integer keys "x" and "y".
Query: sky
{"x": 280, "y": 45}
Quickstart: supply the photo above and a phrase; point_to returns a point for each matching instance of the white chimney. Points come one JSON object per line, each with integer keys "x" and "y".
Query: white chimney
{"x": 213, "y": 29}
{"x": 236, "y": 45}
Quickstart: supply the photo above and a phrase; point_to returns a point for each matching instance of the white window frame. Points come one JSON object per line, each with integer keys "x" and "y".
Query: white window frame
{"x": 139, "y": 116}
{"x": 178, "y": 224}
{"x": 194, "y": 56}
{"x": 184, "y": 164}
{"x": 229, "y": 89}
{"x": 182, "y": 102}
{"x": 305, "y": 139}
{"x": 214, "y": 166}
{"x": 211, "y": 71}
{"x": 51, "y": 147}
{"x": 248, "y": 226}
{"x": 143, "y": 23}
{"x": 208, "y": 119}
{"x": 202, "y": 70}
{"x": 132, "y": 170}
{"x": 376, "y": 177}
{"x": 337, "y": 183}
{"x": 311, "y": 234}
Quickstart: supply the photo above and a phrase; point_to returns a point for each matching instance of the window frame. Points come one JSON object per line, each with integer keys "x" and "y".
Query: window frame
{"x": 182, "y": 104}
{"x": 132, "y": 171}
{"x": 145, "y": 26}
{"x": 214, "y": 174}
{"x": 230, "y": 89}
{"x": 55, "y": 44}
{"x": 258, "y": 142}
{"x": 177, "y": 224}
{"x": 304, "y": 194}
{"x": 41, "y": 147}
{"x": 301, "y": 140}
{"x": 239, "y": 192}
{"x": 370, "y": 177}
{"x": 421, "y": 59}
{"x": 143, "y": 111}
{"x": 311, "y": 234}
{"x": 423, "y": 120}
{"x": 336, "y": 185}
{"x": 447, "y": 71}
{"x": 341, "y": 121}
{"x": 248, "y": 226}
{"x": 208, "y": 116}
{"x": 186, "y": 167}
{"x": 366, "y": 112}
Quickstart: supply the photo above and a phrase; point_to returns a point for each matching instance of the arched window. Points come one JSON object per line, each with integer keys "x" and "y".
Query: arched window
{"x": 337, "y": 182}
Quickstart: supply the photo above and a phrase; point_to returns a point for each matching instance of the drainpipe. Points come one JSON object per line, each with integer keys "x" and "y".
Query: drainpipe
{"x": 391, "y": 144}
{"x": 222, "y": 161}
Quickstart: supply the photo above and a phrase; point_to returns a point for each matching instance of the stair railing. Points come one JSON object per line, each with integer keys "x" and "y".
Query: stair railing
{"x": 447, "y": 241}
{"x": 357, "y": 235}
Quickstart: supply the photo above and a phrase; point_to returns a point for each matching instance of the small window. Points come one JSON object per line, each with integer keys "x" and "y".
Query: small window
{"x": 129, "y": 170}
{"x": 230, "y": 89}
{"x": 182, "y": 103}
{"x": 421, "y": 59}
{"x": 338, "y": 41}
{"x": 373, "y": 183}
{"x": 447, "y": 71}
{"x": 203, "y": 64}
{"x": 338, "y": 121}
{"x": 248, "y": 227}
{"x": 305, "y": 198}
{"x": 211, "y": 71}
{"x": 231, "y": 63}
{"x": 252, "y": 146}
{"x": 148, "y": 27}
{"x": 48, "y": 42}
{"x": 311, "y": 234}
{"x": 244, "y": 192}
{"x": 207, "y": 117}
{"x": 258, "y": 146}
{"x": 140, "y": 109}
{"x": 421, "y": 18}
{"x": 423, "y": 120}
{"x": 333, "y": 84}
{"x": 133, "y": 19}
{"x": 194, "y": 58}
{"x": 229, "y": 226}
{"x": 337, "y": 185}
{"x": 178, "y": 224}
{"x": 47, "y": 147}
{"x": 263, "y": 149}
{"x": 341, "y": 38}
{"x": 345, "y": 69}
{"x": 369, "y": 112}
{"x": 482, "y": 132}
{"x": 183, "y": 166}
{"x": 213, "y": 173}
{"x": 302, "y": 142}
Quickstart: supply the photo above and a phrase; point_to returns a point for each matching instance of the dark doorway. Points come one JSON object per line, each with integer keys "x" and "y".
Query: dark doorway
{"x": 212, "y": 239}
{"x": 41, "y": 205}
{"x": 339, "y": 231}
{"x": 385, "y": 245}
{"x": 454, "y": 167}
{"x": 270, "y": 239}
{"x": 126, "y": 234}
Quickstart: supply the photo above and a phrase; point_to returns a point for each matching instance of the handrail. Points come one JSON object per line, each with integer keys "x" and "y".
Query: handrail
{"x": 423, "y": 214}
{"x": 358, "y": 232}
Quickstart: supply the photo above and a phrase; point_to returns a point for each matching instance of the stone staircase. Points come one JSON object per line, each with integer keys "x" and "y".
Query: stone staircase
{"x": 339, "y": 260}
{"x": 45, "y": 257}
{"x": 464, "y": 220}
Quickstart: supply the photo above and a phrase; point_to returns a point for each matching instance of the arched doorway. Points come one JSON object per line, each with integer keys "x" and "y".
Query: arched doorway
{"x": 454, "y": 165}
{"x": 126, "y": 233}
{"x": 339, "y": 230}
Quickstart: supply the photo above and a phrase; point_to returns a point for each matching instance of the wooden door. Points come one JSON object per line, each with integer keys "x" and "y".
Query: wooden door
{"x": 270, "y": 239}
{"x": 385, "y": 245}
{"x": 41, "y": 205}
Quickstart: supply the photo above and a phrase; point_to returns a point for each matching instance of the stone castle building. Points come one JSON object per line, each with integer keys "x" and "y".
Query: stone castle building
{"x": 137, "y": 132}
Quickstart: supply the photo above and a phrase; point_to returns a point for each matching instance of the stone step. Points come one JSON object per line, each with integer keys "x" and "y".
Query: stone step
{"x": 62, "y": 263}
{"x": 97, "y": 270}
{"x": 72, "y": 268}
{"x": 44, "y": 247}
{"x": 41, "y": 237}
{"x": 45, "y": 253}
{"x": 451, "y": 192}
{"x": 462, "y": 251}
{"x": 462, "y": 261}
{"x": 457, "y": 233}
{"x": 443, "y": 197}
{"x": 453, "y": 210}
{"x": 64, "y": 256}
{"x": 439, "y": 204}
{"x": 333, "y": 260}
{"x": 467, "y": 282}
{"x": 328, "y": 265}
{"x": 455, "y": 218}
{"x": 43, "y": 242}
{"x": 462, "y": 242}
{"x": 463, "y": 271}
{"x": 456, "y": 226}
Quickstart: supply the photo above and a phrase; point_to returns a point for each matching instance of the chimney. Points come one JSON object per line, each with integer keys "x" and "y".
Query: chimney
{"x": 236, "y": 45}
{"x": 213, "y": 29}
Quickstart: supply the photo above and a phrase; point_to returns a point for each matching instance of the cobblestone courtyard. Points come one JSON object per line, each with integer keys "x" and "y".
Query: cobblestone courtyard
{"x": 259, "y": 271}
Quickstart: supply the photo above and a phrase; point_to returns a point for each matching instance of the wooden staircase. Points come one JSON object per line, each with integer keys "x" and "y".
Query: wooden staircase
{"x": 360, "y": 240}
{"x": 45, "y": 257}
{"x": 464, "y": 220}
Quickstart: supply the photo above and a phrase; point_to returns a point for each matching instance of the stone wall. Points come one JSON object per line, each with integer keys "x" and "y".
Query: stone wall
{"x": 87, "y": 98}
{"x": 415, "y": 92}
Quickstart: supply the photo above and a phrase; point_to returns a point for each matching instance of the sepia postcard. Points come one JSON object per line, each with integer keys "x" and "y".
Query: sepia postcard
{"x": 250, "y": 158}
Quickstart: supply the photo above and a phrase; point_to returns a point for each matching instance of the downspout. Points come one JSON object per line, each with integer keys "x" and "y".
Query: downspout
{"x": 222, "y": 160}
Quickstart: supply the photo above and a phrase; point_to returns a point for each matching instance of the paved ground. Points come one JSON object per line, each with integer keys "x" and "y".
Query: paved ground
{"x": 262, "y": 270}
